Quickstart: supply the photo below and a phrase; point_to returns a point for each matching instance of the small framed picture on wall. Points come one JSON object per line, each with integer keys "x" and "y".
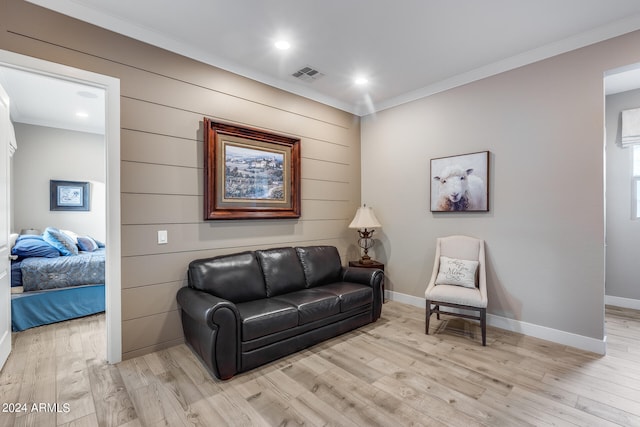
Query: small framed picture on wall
{"x": 68, "y": 195}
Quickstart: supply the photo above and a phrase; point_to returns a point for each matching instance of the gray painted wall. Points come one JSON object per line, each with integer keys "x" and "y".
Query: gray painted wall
{"x": 623, "y": 233}
{"x": 46, "y": 153}
{"x": 543, "y": 124}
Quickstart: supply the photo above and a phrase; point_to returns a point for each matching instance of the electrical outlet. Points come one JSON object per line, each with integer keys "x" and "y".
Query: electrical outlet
{"x": 163, "y": 237}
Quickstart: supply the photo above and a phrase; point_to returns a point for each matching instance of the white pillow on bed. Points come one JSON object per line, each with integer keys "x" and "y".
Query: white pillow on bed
{"x": 12, "y": 240}
{"x": 71, "y": 234}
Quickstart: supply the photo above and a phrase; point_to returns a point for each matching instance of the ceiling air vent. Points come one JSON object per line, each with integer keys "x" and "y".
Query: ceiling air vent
{"x": 307, "y": 74}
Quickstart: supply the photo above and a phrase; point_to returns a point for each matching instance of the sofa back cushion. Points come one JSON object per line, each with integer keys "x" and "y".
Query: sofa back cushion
{"x": 282, "y": 271}
{"x": 237, "y": 277}
{"x": 321, "y": 264}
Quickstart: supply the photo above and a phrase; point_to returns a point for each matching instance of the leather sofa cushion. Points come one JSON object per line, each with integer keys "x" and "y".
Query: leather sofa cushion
{"x": 352, "y": 295}
{"x": 282, "y": 271}
{"x": 264, "y": 317}
{"x": 321, "y": 264}
{"x": 236, "y": 277}
{"x": 312, "y": 304}
{"x": 301, "y": 329}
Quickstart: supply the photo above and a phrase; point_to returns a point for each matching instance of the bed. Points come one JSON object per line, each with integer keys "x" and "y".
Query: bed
{"x": 53, "y": 281}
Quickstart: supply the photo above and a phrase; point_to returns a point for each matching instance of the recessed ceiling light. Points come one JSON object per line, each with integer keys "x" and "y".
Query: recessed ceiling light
{"x": 282, "y": 44}
{"x": 360, "y": 81}
{"x": 82, "y": 114}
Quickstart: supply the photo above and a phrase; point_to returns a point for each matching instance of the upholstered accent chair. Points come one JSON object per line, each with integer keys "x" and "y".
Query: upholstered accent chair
{"x": 458, "y": 281}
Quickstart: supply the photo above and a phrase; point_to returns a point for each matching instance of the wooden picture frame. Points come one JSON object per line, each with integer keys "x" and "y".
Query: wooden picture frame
{"x": 460, "y": 183}
{"x": 68, "y": 195}
{"x": 249, "y": 173}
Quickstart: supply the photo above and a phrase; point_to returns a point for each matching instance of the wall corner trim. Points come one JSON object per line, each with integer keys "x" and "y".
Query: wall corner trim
{"x": 554, "y": 335}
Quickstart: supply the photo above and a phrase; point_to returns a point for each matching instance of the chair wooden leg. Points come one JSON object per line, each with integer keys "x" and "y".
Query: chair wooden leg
{"x": 428, "y": 315}
{"x": 437, "y": 312}
{"x": 483, "y": 325}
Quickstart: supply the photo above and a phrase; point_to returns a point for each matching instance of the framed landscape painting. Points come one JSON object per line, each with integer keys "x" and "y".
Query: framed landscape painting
{"x": 68, "y": 195}
{"x": 250, "y": 174}
{"x": 460, "y": 183}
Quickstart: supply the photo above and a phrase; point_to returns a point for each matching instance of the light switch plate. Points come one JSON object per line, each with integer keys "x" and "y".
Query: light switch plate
{"x": 163, "y": 237}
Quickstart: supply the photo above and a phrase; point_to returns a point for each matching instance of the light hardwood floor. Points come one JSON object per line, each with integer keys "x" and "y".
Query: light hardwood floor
{"x": 388, "y": 373}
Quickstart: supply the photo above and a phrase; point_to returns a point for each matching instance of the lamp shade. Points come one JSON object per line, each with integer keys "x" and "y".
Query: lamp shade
{"x": 365, "y": 218}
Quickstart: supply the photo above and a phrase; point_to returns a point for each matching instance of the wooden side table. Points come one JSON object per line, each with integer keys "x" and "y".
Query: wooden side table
{"x": 372, "y": 264}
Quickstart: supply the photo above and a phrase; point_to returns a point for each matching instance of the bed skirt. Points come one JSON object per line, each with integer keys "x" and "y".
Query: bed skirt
{"x": 32, "y": 309}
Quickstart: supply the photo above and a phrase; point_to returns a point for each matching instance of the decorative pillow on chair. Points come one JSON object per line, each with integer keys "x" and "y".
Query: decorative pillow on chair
{"x": 60, "y": 241}
{"x": 458, "y": 272}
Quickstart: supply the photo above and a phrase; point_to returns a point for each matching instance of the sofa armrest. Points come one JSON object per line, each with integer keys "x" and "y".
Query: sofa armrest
{"x": 367, "y": 276}
{"x": 364, "y": 276}
{"x": 211, "y": 326}
{"x": 201, "y": 306}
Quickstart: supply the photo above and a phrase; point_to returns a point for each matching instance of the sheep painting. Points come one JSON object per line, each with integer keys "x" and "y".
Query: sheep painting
{"x": 460, "y": 186}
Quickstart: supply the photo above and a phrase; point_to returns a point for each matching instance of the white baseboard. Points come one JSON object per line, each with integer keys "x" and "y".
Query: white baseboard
{"x": 404, "y": 298}
{"x": 537, "y": 331}
{"x": 622, "y": 302}
{"x": 554, "y": 335}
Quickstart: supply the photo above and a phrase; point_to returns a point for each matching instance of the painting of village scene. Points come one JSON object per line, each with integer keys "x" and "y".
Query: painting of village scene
{"x": 253, "y": 174}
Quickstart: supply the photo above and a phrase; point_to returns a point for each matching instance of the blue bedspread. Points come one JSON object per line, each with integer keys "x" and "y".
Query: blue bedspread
{"x": 43, "y": 307}
{"x": 86, "y": 268}
{"x": 16, "y": 273}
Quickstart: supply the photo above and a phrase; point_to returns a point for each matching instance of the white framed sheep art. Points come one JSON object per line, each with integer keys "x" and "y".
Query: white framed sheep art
{"x": 460, "y": 183}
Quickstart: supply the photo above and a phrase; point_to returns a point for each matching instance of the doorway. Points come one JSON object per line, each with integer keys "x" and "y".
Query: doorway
{"x": 622, "y": 166}
{"x": 111, "y": 88}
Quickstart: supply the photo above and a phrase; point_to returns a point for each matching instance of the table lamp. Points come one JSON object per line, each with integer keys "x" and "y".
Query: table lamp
{"x": 365, "y": 221}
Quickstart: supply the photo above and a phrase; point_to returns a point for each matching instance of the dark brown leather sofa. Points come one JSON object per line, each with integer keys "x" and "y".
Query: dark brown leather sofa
{"x": 247, "y": 309}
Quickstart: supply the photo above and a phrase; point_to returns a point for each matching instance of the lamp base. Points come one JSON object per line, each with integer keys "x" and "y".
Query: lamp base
{"x": 365, "y": 242}
{"x": 366, "y": 259}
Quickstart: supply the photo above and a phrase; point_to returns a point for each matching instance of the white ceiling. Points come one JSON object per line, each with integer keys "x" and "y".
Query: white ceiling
{"x": 406, "y": 48}
{"x": 42, "y": 100}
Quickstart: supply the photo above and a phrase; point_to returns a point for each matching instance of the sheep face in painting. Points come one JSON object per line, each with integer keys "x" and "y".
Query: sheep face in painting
{"x": 459, "y": 189}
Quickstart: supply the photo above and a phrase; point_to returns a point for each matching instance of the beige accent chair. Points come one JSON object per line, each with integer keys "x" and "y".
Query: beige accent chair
{"x": 459, "y": 297}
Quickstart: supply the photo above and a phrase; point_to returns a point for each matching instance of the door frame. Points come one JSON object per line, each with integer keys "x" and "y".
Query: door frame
{"x": 5, "y": 253}
{"x": 111, "y": 86}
